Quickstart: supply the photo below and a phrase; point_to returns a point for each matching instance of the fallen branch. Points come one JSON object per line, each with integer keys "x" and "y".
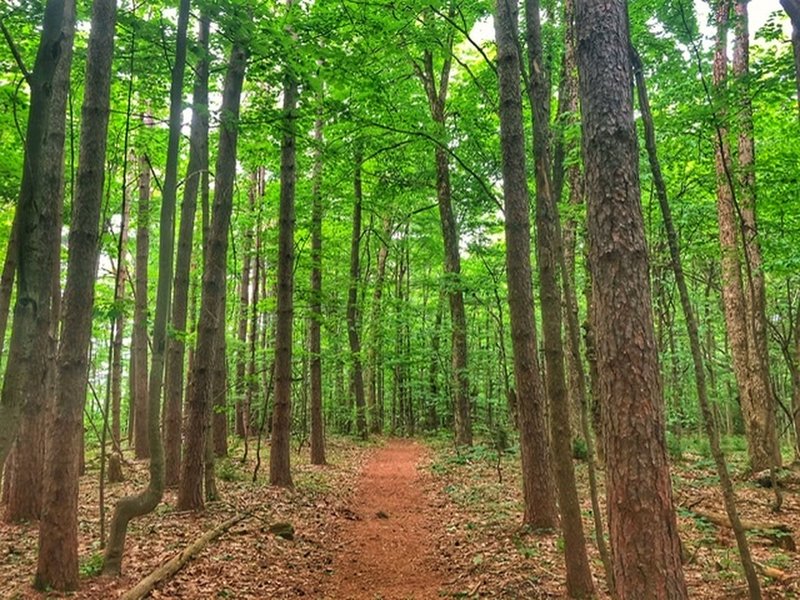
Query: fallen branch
{"x": 172, "y": 566}
{"x": 778, "y": 533}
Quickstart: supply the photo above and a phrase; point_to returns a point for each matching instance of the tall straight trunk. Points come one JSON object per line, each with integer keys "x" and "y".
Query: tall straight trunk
{"x": 537, "y": 479}
{"x": 240, "y": 425}
{"x": 352, "y": 300}
{"x": 58, "y": 530}
{"x": 549, "y": 248}
{"x": 199, "y": 399}
{"x": 25, "y": 466}
{"x": 642, "y": 523}
{"x": 754, "y": 389}
{"x": 136, "y": 505}
{"x": 119, "y": 327}
{"x": 280, "y": 473}
{"x": 792, "y": 8}
{"x": 176, "y": 345}
{"x": 139, "y": 345}
{"x": 763, "y": 398}
{"x": 219, "y": 396}
{"x": 315, "y": 323}
{"x": 728, "y": 494}
{"x": 376, "y": 333}
{"x": 37, "y": 226}
{"x": 436, "y": 86}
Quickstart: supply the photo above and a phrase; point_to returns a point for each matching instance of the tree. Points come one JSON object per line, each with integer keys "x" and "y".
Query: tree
{"x": 646, "y": 548}
{"x": 199, "y": 399}
{"x": 792, "y": 8}
{"x": 540, "y": 508}
{"x": 58, "y": 531}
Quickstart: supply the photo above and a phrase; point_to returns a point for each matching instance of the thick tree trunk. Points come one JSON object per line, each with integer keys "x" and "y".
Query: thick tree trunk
{"x": 712, "y": 433}
{"x": 139, "y": 345}
{"x": 176, "y": 345}
{"x": 136, "y": 505}
{"x": 537, "y": 478}
{"x": 280, "y": 473}
{"x": 353, "y": 337}
{"x": 199, "y": 400}
{"x": 25, "y": 465}
{"x": 549, "y": 248}
{"x": 37, "y": 227}
{"x": 642, "y": 523}
{"x": 58, "y": 531}
{"x": 315, "y": 323}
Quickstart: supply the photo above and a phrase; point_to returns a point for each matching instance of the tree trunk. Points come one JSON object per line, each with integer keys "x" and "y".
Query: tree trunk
{"x": 176, "y": 345}
{"x": 549, "y": 248}
{"x": 199, "y": 399}
{"x": 119, "y": 327}
{"x": 537, "y": 479}
{"x": 25, "y": 465}
{"x": 712, "y": 433}
{"x": 642, "y": 523}
{"x": 792, "y": 8}
{"x": 219, "y": 389}
{"x": 133, "y": 506}
{"x": 352, "y": 300}
{"x": 240, "y": 425}
{"x": 58, "y": 530}
{"x": 139, "y": 345}
{"x": 315, "y": 323}
{"x": 37, "y": 226}
{"x": 7, "y": 278}
{"x": 374, "y": 400}
{"x": 280, "y": 473}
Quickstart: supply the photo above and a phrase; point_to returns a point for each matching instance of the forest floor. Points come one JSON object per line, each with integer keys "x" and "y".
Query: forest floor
{"x": 395, "y": 520}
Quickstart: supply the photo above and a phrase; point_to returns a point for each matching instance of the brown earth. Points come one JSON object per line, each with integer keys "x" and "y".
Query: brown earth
{"x": 389, "y": 550}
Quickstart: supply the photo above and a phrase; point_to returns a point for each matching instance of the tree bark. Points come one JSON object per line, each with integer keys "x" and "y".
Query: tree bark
{"x": 38, "y": 220}
{"x": 58, "y": 530}
{"x": 549, "y": 248}
{"x": 199, "y": 400}
{"x": 280, "y": 473}
{"x": 176, "y": 344}
{"x": 642, "y": 523}
{"x": 728, "y": 494}
{"x": 136, "y": 505}
{"x": 537, "y": 479}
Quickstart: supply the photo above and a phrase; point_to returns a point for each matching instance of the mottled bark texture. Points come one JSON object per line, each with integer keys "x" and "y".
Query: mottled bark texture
{"x": 199, "y": 400}
{"x": 58, "y": 529}
{"x": 537, "y": 478}
{"x": 176, "y": 343}
{"x": 642, "y": 523}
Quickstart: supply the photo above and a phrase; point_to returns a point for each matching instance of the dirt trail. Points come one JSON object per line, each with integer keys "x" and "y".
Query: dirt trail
{"x": 389, "y": 551}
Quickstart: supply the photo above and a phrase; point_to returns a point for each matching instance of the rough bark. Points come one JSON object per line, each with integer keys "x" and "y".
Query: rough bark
{"x": 136, "y": 505}
{"x": 38, "y": 219}
{"x": 642, "y": 523}
{"x": 176, "y": 345}
{"x": 280, "y": 473}
{"x": 537, "y": 479}
{"x": 728, "y": 494}
{"x": 199, "y": 399}
{"x": 352, "y": 301}
{"x": 58, "y": 530}
{"x": 25, "y": 465}
{"x": 315, "y": 323}
{"x": 549, "y": 248}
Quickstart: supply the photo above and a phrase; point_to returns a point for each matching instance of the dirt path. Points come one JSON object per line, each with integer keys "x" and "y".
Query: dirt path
{"x": 388, "y": 551}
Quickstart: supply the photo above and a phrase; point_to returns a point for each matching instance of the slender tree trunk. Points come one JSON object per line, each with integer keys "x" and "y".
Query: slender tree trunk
{"x": 199, "y": 400}
{"x": 537, "y": 479}
{"x": 352, "y": 300}
{"x": 549, "y": 248}
{"x": 376, "y": 334}
{"x": 712, "y": 433}
{"x": 58, "y": 531}
{"x": 139, "y": 345}
{"x": 25, "y": 466}
{"x": 219, "y": 393}
{"x": 642, "y": 523}
{"x": 176, "y": 345}
{"x": 133, "y": 506}
{"x": 119, "y": 327}
{"x": 37, "y": 226}
{"x": 315, "y": 324}
{"x": 280, "y": 473}
{"x": 244, "y": 315}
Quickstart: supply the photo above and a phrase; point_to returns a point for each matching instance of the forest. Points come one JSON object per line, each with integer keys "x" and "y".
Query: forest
{"x": 392, "y": 299}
